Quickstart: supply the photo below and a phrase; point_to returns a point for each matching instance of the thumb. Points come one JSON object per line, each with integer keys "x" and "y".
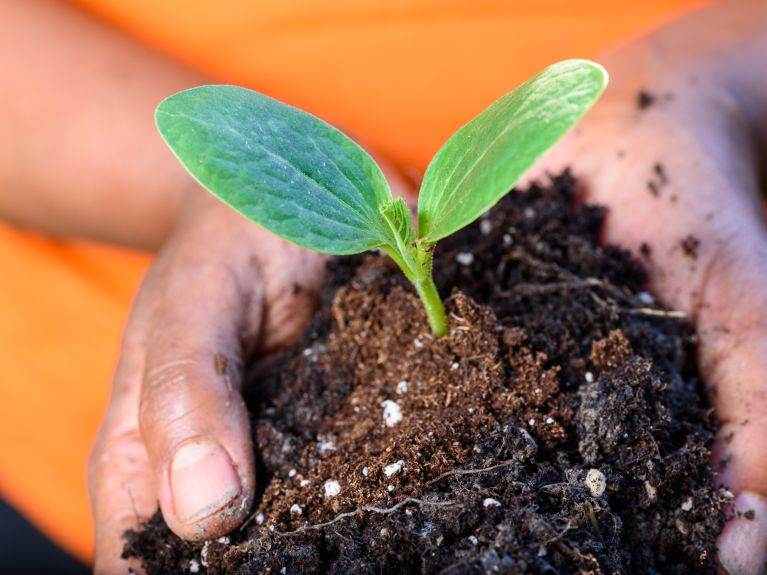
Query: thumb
{"x": 192, "y": 418}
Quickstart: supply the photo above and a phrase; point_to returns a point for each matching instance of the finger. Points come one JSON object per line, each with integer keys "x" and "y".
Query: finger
{"x": 734, "y": 354}
{"x": 120, "y": 481}
{"x": 192, "y": 418}
{"x": 743, "y": 544}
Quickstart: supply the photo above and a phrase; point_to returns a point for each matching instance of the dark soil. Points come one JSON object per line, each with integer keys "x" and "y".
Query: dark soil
{"x": 559, "y": 428}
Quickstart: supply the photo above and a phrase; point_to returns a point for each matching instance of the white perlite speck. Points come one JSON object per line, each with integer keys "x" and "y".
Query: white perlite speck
{"x": 465, "y": 258}
{"x": 645, "y": 297}
{"x": 595, "y": 482}
{"x": 325, "y": 444}
{"x": 365, "y": 471}
{"x": 490, "y": 502}
{"x": 332, "y": 488}
{"x": 304, "y": 482}
{"x": 390, "y": 488}
{"x": 687, "y": 505}
{"x": 194, "y": 566}
{"x": 402, "y": 387}
{"x": 292, "y": 473}
{"x": 589, "y": 377}
{"x": 394, "y": 468}
{"x": 392, "y": 414}
{"x": 531, "y": 422}
{"x": 260, "y": 518}
{"x": 652, "y": 492}
{"x": 485, "y": 227}
{"x": 473, "y": 540}
{"x": 223, "y": 540}
{"x": 296, "y": 509}
{"x": 549, "y": 421}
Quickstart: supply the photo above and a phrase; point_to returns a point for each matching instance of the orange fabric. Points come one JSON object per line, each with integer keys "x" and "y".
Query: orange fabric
{"x": 62, "y": 305}
{"x": 402, "y": 74}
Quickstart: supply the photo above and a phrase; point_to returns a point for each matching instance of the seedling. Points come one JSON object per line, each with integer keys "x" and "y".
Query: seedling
{"x": 307, "y": 182}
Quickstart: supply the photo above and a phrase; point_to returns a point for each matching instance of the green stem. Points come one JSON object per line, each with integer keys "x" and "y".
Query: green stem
{"x": 416, "y": 265}
{"x": 432, "y": 303}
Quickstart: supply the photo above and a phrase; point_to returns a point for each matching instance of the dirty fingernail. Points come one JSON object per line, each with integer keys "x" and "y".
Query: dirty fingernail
{"x": 743, "y": 542}
{"x": 202, "y": 479}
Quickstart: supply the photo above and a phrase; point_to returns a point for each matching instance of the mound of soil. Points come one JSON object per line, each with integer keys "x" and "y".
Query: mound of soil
{"x": 559, "y": 427}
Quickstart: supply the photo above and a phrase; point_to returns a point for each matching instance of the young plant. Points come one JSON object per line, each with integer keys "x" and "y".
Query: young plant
{"x": 307, "y": 182}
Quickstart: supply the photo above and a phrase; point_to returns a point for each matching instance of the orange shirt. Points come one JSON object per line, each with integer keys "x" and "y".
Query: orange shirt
{"x": 404, "y": 74}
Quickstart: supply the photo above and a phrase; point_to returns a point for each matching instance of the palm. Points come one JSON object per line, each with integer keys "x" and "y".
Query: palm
{"x": 680, "y": 183}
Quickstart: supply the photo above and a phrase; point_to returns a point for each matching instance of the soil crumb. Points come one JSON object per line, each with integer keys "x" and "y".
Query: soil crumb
{"x": 558, "y": 428}
{"x": 690, "y": 246}
{"x": 645, "y": 99}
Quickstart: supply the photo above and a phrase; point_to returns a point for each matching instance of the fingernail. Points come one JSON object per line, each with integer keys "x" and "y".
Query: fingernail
{"x": 743, "y": 542}
{"x": 202, "y": 479}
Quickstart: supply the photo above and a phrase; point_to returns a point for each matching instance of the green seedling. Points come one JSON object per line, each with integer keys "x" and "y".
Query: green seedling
{"x": 307, "y": 182}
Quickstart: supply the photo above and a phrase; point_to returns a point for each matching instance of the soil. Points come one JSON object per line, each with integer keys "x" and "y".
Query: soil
{"x": 645, "y": 99}
{"x": 560, "y": 426}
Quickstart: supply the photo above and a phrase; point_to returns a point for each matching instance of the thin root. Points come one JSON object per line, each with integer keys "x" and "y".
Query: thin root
{"x": 470, "y": 471}
{"x": 369, "y": 509}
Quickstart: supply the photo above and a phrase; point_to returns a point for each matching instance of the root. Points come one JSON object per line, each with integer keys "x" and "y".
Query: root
{"x": 570, "y": 281}
{"x": 471, "y": 471}
{"x": 368, "y": 509}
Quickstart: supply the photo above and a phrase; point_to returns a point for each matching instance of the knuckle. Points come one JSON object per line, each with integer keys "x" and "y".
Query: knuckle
{"x": 163, "y": 389}
{"x": 183, "y": 394}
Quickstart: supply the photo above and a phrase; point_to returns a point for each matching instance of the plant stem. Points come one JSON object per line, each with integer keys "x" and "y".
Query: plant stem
{"x": 415, "y": 263}
{"x": 432, "y": 303}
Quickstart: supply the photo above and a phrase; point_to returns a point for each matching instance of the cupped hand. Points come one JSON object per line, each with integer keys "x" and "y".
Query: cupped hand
{"x": 177, "y": 430}
{"x": 670, "y": 150}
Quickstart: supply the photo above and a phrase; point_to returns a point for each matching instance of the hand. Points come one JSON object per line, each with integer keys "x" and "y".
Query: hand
{"x": 681, "y": 175}
{"x": 177, "y": 429}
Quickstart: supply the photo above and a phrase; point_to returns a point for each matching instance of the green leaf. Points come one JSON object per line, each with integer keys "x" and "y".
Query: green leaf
{"x": 481, "y": 162}
{"x": 281, "y": 167}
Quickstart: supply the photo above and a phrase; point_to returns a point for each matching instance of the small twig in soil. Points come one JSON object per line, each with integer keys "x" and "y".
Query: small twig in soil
{"x": 592, "y": 517}
{"x": 369, "y": 509}
{"x": 470, "y": 471}
{"x": 649, "y": 311}
{"x": 654, "y": 312}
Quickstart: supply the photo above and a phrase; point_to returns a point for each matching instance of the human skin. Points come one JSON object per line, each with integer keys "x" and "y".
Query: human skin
{"x": 706, "y": 128}
{"x": 223, "y": 289}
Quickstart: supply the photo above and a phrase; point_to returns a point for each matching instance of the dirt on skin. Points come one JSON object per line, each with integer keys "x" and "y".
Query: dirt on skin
{"x": 559, "y": 427}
